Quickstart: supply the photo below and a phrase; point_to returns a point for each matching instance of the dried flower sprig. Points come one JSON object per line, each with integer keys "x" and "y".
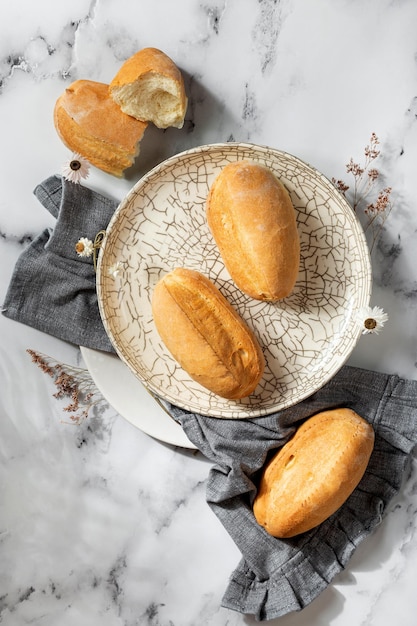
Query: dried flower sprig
{"x": 365, "y": 178}
{"x": 73, "y": 384}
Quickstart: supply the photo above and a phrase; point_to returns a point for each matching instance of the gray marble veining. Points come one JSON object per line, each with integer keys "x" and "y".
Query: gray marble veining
{"x": 101, "y": 524}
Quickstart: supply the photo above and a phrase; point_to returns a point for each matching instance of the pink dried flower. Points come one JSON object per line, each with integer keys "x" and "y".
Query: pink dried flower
{"x": 72, "y": 383}
{"x": 373, "y": 174}
{"x": 354, "y": 168}
{"x": 377, "y": 211}
{"x": 340, "y": 185}
{"x": 371, "y": 151}
{"x": 382, "y": 202}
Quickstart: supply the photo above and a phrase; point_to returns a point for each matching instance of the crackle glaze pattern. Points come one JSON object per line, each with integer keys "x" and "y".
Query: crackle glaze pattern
{"x": 162, "y": 225}
{"x": 102, "y": 524}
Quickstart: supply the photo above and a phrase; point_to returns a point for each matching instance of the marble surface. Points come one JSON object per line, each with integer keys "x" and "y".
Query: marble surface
{"x": 101, "y": 524}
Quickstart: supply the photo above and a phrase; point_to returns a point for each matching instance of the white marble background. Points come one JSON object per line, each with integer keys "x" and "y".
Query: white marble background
{"x": 99, "y": 523}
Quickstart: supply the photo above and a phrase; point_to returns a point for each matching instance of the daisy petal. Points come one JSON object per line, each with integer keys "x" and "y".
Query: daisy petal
{"x": 84, "y": 247}
{"x": 372, "y": 319}
{"x": 75, "y": 169}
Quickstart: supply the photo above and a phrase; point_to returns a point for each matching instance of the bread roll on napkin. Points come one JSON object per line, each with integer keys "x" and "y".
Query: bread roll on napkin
{"x": 312, "y": 475}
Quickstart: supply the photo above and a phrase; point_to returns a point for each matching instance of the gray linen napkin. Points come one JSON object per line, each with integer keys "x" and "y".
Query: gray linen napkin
{"x": 278, "y": 576}
{"x": 53, "y": 289}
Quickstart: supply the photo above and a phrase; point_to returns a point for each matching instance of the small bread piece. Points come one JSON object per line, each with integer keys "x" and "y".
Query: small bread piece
{"x": 314, "y": 473}
{"x": 253, "y": 222}
{"x": 150, "y": 87}
{"x": 90, "y": 123}
{"x": 205, "y": 334}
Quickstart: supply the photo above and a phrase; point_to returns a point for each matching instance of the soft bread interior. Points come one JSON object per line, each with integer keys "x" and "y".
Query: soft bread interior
{"x": 152, "y": 98}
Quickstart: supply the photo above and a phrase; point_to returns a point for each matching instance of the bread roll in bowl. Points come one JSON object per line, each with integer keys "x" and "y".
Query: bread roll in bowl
{"x": 311, "y": 476}
{"x": 253, "y": 222}
{"x": 205, "y": 334}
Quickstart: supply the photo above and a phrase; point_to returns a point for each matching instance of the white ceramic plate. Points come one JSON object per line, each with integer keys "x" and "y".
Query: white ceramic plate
{"x": 306, "y": 337}
{"x": 126, "y": 394}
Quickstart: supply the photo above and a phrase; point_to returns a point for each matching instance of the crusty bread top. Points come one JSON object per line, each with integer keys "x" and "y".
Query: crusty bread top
{"x": 310, "y": 477}
{"x": 205, "y": 335}
{"x": 150, "y": 87}
{"x": 253, "y": 222}
{"x": 145, "y": 61}
{"x": 89, "y": 122}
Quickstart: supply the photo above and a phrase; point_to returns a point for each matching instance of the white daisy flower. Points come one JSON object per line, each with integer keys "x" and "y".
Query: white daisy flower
{"x": 84, "y": 247}
{"x": 76, "y": 168}
{"x": 372, "y": 320}
{"x": 115, "y": 269}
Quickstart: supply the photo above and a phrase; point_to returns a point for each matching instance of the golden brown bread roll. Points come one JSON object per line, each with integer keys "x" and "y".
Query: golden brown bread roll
{"x": 90, "y": 123}
{"x": 205, "y": 335}
{"x": 150, "y": 87}
{"x": 314, "y": 473}
{"x": 253, "y": 222}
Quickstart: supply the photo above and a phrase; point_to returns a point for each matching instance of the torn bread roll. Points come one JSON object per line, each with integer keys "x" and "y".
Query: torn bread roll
{"x": 205, "y": 334}
{"x": 253, "y": 222}
{"x": 311, "y": 476}
{"x": 91, "y": 124}
{"x": 150, "y": 87}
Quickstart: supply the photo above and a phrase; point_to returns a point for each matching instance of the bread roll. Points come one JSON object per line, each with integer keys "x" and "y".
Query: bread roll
{"x": 150, "y": 87}
{"x": 314, "y": 473}
{"x": 253, "y": 222}
{"x": 90, "y": 123}
{"x": 205, "y": 335}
